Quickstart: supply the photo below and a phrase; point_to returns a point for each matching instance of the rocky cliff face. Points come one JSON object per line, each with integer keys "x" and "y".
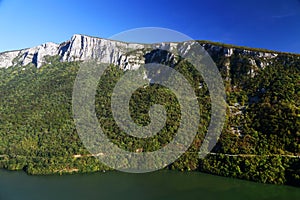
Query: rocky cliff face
{"x": 81, "y": 48}
{"x": 24, "y": 57}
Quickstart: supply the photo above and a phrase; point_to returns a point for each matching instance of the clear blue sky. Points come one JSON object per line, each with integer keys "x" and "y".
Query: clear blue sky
{"x": 271, "y": 24}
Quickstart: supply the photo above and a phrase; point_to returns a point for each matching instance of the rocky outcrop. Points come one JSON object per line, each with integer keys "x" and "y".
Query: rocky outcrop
{"x": 35, "y": 55}
{"x": 258, "y": 59}
{"x": 81, "y": 48}
{"x": 7, "y": 58}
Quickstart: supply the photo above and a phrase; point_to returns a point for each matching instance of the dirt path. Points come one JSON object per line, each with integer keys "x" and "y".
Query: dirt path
{"x": 253, "y": 155}
{"x": 230, "y": 155}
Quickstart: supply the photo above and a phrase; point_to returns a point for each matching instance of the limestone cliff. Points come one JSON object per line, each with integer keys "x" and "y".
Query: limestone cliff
{"x": 81, "y": 48}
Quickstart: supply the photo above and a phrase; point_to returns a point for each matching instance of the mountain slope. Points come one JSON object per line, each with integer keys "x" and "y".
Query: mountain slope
{"x": 260, "y": 140}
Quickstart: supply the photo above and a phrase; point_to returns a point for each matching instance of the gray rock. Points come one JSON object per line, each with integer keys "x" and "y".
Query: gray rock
{"x": 82, "y": 48}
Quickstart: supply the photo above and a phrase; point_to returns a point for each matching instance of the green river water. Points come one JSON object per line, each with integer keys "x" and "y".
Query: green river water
{"x": 117, "y": 185}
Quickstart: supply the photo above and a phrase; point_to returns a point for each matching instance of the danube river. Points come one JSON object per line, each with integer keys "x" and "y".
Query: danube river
{"x": 117, "y": 185}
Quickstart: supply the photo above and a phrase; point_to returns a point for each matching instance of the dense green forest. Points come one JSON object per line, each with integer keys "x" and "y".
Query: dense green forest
{"x": 259, "y": 142}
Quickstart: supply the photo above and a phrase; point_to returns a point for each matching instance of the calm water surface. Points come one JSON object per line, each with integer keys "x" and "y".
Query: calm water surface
{"x": 117, "y": 185}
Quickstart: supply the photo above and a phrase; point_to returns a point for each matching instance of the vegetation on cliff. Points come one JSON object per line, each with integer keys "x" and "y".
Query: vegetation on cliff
{"x": 259, "y": 142}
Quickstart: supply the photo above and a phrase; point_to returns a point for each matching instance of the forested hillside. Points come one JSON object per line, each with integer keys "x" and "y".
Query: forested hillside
{"x": 259, "y": 142}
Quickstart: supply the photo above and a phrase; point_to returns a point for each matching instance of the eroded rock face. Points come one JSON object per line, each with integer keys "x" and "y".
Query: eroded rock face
{"x": 35, "y": 55}
{"x": 82, "y": 48}
{"x": 79, "y": 48}
{"x": 7, "y": 58}
{"x": 257, "y": 59}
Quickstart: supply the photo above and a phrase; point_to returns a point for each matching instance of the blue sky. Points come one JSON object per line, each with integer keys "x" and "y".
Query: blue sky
{"x": 271, "y": 24}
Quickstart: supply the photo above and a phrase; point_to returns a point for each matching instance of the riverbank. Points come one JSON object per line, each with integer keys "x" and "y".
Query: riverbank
{"x": 274, "y": 169}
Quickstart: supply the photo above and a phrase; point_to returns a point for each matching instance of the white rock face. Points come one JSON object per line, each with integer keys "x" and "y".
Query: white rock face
{"x": 33, "y": 55}
{"x": 79, "y": 48}
{"x": 82, "y": 48}
{"x": 37, "y": 54}
{"x": 7, "y": 58}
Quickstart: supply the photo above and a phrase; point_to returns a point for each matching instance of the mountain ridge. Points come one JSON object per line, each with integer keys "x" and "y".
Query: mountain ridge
{"x": 83, "y": 47}
{"x": 260, "y": 49}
